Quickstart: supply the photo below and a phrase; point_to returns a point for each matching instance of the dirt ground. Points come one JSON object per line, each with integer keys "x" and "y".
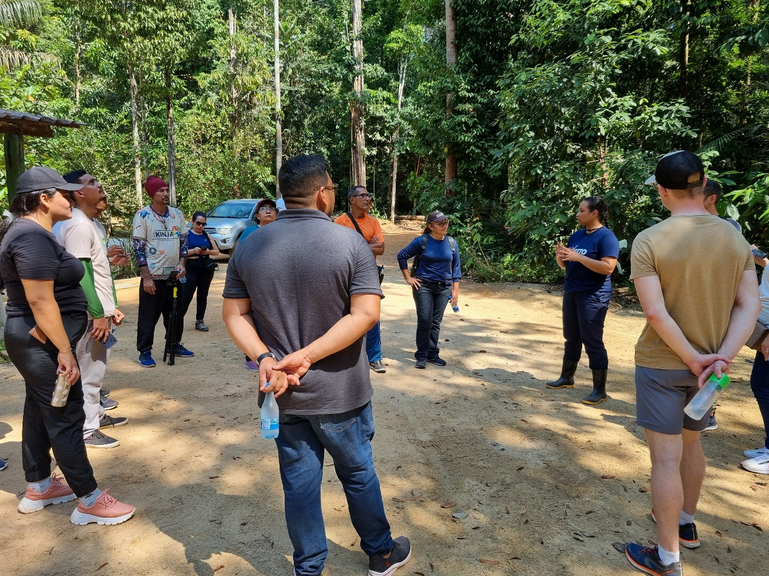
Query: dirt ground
{"x": 486, "y": 471}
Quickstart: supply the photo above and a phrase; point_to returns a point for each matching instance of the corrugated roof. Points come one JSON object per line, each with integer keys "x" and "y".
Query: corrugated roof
{"x": 24, "y": 117}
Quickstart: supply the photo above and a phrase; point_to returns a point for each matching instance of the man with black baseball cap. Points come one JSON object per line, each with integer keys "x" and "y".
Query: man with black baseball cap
{"x": 690, "y": 258}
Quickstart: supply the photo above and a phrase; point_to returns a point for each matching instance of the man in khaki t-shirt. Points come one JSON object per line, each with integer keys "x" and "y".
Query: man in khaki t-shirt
{"x": 696, "y": 281}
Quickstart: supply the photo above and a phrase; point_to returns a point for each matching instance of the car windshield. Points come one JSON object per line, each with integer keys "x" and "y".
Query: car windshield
{"x": 236, "y": 210}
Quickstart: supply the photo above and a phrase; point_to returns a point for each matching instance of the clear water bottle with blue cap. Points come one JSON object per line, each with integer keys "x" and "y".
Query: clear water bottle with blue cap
{"x": 270, "y": 416}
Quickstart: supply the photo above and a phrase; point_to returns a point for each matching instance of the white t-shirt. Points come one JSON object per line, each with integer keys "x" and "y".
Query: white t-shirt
{"x": 86, "y": 239}
{"x": 763, "y": 292}
{"x": 162, "y": 235}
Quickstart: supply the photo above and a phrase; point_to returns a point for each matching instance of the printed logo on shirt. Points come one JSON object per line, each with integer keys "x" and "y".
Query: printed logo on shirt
{"x": 582, "y": 251}
{"x": 152, "y": 250}
{"x": 166, "y": 234}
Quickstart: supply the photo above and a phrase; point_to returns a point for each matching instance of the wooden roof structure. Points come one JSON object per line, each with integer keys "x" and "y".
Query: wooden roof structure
{"x": 14, "y": 126}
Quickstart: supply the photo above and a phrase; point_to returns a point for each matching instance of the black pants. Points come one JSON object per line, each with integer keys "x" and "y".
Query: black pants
{"x": 431, "y": 299}
{"x": 200, "y": 273}
{"x": 151, "y": 306}
{"x": 44, "y": 427}
{"x": 583, "y": 317}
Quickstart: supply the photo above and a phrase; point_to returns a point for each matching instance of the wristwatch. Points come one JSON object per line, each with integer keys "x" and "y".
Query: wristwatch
{"x": 265, "y": 355}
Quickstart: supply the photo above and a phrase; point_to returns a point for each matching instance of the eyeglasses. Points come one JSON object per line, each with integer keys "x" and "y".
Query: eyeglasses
{"x": 442, "y": 223}
{"x": 267, "y": 209}
{"x": 199, "y": 223}
{"x": 332, "y": 187}
{"x": 364, "y": 196}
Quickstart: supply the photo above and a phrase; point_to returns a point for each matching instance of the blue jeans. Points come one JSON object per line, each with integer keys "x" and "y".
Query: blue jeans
{"x": 374, "y": 344}
{"x": 583, "y": 317}
{"x": 431, "y": 300}
{"x": 301, "y": 445}
{"x": 759, "y": 382}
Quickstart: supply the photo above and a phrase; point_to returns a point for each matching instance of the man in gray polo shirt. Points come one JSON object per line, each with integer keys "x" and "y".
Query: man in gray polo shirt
{"x": 299, "y": 296}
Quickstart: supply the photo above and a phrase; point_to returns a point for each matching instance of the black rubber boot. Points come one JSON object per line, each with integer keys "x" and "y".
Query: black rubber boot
{"x": 567, "y": 376}
{"x": 598, "y": 394}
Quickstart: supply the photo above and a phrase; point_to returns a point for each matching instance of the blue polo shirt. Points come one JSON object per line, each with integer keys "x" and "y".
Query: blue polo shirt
{"x": 596, "y": 245}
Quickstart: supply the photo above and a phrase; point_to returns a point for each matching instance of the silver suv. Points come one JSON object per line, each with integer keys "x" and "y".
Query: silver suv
{"x": 226, "y": 222}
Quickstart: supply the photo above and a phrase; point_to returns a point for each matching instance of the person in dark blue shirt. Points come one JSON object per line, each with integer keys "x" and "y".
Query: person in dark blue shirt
{"x": 200, "y": 268}
{"x": 589, "y": 258}
{"x": 436, "y": 282}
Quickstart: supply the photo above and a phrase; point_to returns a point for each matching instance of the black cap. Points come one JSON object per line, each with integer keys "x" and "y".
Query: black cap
{"x": 42, "y": 178}
{"x": 436, "y": 216}
{"x": 673, "y": 171}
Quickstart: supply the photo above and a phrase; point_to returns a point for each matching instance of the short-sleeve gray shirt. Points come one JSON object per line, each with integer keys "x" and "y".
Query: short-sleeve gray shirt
{"x": 299, "y": 273}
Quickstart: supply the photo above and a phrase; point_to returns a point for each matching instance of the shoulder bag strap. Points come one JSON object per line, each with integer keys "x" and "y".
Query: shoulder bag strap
{"x": 354, "y": 223}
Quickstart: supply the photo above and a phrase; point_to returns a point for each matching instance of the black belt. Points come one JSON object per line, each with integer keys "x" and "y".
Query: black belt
{"x": 436, "y": 283}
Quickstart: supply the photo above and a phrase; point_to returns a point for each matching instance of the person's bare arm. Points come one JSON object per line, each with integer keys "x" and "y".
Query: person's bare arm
{"x": 45, "y": 309}
{"x": 605, "y": 265}
{"x": 236, "y": 313}
{"x": 364, "y": 314}
{"x": 653, "y": 302}
{"x": 377, "y": 245}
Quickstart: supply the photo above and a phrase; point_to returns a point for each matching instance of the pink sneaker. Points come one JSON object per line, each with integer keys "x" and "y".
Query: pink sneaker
{"x": 57, "y": 493}
{"x": 106, "y": 510}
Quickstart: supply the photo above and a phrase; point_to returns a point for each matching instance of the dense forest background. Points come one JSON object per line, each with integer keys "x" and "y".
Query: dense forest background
{"x": 548, "y": 101}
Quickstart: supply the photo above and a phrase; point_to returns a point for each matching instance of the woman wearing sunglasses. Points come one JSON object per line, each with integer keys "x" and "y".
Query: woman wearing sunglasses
{"x": 434, "y": 280}
{"x": 200, "y": 268}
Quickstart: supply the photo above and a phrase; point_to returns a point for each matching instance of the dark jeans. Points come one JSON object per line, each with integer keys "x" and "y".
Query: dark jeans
{"x": 151, "y": 306}
{"x": 200, "y": 273}
{"x": 759, "y": 382}
{"x": 44, "y": 427}
{"x": 431, "y": 300}
{"x": 302, "y": 443}
{"x": 583, "y": 317}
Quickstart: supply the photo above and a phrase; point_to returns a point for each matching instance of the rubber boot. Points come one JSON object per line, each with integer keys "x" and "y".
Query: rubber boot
{"x": 598, "y": 394}
{"x": 567, "y": 376}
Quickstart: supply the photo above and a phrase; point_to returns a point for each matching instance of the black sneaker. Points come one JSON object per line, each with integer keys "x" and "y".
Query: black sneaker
{"x": 437, "y": 361}
{"x": 687, "y": 534}
{"x": 421, "y": 364}
{"x": 98, "y": 440}
{"x": 648, "y": 560}
{"x": 378, "y": 367}
{"x": 108, "y": 421}
{"x": 400, "y": 554}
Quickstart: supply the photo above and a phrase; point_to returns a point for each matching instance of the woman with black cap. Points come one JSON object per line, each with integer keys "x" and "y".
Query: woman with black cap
{"x": 46, "y": 317}
{"x": 434, "y": 280}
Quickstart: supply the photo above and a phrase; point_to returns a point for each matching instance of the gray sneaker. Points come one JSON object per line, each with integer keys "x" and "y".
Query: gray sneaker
{"x": 378, "y": 367}
{"x": 108, "y": 421}
{"x": 98, "y": 440}
{"x": 108, "y": 403}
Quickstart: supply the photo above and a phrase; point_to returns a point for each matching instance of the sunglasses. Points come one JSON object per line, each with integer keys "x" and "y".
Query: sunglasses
{"x": 199, "y": 223}
{"x": 364, "y": 196}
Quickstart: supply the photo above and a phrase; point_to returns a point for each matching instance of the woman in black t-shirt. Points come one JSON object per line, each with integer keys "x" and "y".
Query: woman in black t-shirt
{"x": 46, "y": 317}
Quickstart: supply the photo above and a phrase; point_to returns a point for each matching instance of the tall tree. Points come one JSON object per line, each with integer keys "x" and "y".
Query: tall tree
{"x": 358, "y": 135}
{"x": 451, "y": 62}
{"x": 278, "y": 122}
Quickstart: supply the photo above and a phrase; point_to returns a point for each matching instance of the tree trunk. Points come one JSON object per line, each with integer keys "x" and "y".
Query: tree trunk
{"x": 451, "y": 61}
{"x": 135, "y": 126}
{"x": 684, "y": 56}
{"x": 233, "y": 62}
{"x": 278, "y": 121}
{"x": 77, "y": 73}
{"x": 358, "y": 135}
{"x": 171, "y": 141}
{"x": 394, "y": 172}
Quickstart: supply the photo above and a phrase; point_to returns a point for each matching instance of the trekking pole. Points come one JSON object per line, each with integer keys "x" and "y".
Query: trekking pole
{"x": 170, "y": 350}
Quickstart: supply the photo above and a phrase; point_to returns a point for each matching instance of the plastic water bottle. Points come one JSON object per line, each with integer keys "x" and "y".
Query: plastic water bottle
{"x": 706, "y": 397}
{"x": 269, "y": 416}
{"x": 455, "y": 308}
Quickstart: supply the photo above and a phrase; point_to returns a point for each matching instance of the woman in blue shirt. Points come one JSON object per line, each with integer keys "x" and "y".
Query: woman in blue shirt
{"x": 200, "y": 268}
{"x": 589, "y": 258}
{"x": 435, "y": 283}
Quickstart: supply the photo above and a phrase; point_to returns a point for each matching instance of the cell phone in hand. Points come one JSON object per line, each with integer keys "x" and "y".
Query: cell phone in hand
{"x": 111, "y": 340}
{"x": 758, "y": 253}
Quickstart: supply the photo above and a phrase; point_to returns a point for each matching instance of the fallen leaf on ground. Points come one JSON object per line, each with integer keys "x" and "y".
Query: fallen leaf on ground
{"x": 607, "y": 476}
{"x": 448, "y": 504}
{"x": 218, "y": 568}
{"x": 460, "y": 515}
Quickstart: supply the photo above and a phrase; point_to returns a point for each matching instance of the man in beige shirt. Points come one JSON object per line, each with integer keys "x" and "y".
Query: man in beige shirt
{"x": 696, "y": 281}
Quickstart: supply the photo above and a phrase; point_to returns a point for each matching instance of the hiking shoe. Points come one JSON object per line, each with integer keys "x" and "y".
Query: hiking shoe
{"x": 107, "y": 421}
{"x": 400, "y": 554}
{"x": 105, "y": 511}
{"x": 57, "y": 493}
{"x": 648, "y": 560}
{"x": 181, "y": 352}
{"x": 437, "y": 361}
{"x": 200, "y": 326}
{"x": 421, "y": 364}
{"x": 378, "y": 367}
{"x": 145, "y": 359}
{"x": 104, "y": 392}
{"x": 108, "y": 403}
{"x": 3, "y": 464}
{"x": 757, "y": 452}
{"x": 759, "y": 464}
{"x": 687, "y": 534}
{"x": 98, "y": 440}
{"x": 252, "y": 365}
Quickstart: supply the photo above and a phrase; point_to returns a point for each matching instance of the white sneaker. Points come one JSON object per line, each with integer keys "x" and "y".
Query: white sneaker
{"x": 759, "y": 464}
{"x": 757, "y": 452}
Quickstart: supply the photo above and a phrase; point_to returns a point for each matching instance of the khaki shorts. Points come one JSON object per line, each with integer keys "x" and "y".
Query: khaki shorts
{"x": 661, "y": 396}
